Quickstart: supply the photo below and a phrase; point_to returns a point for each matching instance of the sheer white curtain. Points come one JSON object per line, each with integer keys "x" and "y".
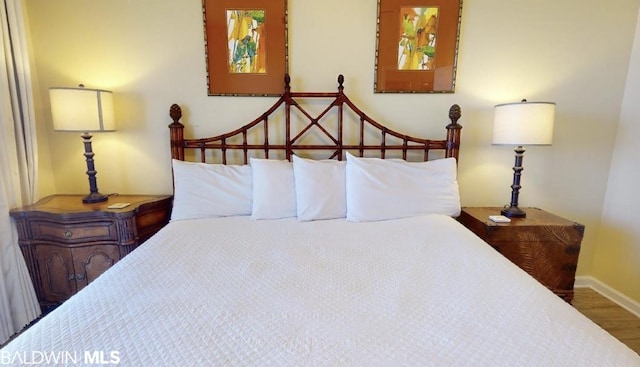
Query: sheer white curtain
{"x": 18, "y": 166}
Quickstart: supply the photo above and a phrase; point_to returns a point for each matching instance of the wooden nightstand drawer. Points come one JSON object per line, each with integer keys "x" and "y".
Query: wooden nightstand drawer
{"x": 74, "y": 233}
{"x": 568, "y": 233}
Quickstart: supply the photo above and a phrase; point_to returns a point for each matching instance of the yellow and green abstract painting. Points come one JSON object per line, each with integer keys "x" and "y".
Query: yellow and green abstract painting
{"x": 246, "y": 41}
{"x": 417, "y": 38}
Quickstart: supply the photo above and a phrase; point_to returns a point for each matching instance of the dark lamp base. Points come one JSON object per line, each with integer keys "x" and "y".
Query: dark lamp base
{"x": 94, "y": 197}
{"x": 513, "y": 212}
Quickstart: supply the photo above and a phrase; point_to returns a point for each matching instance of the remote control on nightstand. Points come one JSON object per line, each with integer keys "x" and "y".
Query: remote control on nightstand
{"x": 499, "y": 219}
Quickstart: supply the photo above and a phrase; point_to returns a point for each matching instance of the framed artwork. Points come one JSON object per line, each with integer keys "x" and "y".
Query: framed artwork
{"x": 417, "y": 46}
{"x": 245, "y": 47}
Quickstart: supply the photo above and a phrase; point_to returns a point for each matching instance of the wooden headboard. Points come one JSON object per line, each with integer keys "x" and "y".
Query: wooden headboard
{"x": 254, "y": 138}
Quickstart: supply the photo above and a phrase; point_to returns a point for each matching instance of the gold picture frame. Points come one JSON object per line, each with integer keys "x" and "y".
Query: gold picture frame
{"x": 417, "y": 46}
{"x": 245, "y": 47}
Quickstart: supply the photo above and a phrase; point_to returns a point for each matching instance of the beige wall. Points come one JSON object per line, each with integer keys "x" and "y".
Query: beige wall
{"x": 617, "y": 256}
{"x": 151, "y": 54}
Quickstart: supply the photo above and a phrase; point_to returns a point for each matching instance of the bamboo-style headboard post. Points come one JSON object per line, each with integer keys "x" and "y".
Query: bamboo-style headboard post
{"x": 340, "y": 100}
{"x": 288, "y": 151}
{"x": 453, "y": 132}
{"x": 176, "y": 133}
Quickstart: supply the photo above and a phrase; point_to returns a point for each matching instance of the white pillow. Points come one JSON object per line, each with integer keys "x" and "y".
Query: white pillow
{"x": 379, "y": 189}
{"x": 210, "y": 190}
{"x": 320, "y": 188}
{"x": 274, "y": 194}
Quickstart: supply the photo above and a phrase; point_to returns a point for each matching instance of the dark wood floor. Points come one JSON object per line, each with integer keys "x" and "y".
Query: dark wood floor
{"x": 619, "y": 322}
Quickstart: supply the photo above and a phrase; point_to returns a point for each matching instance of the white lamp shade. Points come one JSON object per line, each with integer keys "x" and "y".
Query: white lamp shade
{"x": 524, "y": 123}
{"x": 82, "y": 109}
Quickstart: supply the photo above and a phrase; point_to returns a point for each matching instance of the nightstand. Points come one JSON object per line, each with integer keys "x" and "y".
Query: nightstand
{"x": 544, "y": 245}
{"x": 67, "y": 244}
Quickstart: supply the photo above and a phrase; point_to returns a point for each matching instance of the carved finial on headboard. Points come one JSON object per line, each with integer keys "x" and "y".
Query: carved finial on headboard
{"x": 175, "y": 112}
{"x": 176, "y": 133}
{"x": 455, "y": 113}
{"x": 340, "y": 82}
{"x": 453, "y": 132}
{"x": 287, "y": 83}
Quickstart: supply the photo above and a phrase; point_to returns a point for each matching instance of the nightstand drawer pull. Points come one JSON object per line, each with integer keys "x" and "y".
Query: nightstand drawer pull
{"x": 68, "y": 233}
{"x": 572, "y": 250}
{"x": 76, "y": 277}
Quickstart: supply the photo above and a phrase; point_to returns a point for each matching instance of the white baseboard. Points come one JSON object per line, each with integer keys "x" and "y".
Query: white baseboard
{"x": 609, "y": 292}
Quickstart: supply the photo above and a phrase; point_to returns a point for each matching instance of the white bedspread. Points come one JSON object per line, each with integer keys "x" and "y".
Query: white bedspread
{"x": 419, "y": 291}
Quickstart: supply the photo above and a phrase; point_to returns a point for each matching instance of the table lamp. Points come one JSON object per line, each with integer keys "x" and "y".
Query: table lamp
{"x": 84, "y": 110}
{"x": 522, "y": 123}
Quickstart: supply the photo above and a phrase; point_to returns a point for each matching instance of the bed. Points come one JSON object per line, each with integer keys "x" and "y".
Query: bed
{"x": 277, "y": 255}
